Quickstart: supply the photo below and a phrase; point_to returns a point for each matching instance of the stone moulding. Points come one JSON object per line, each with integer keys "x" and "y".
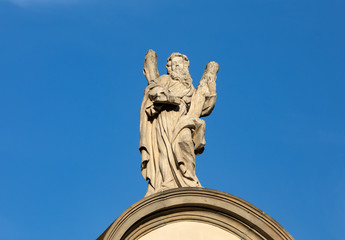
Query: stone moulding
{"x": 216, "y": 208}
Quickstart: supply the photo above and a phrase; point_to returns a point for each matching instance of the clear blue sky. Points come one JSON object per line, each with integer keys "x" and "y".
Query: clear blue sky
{"x": 71, "y": 86}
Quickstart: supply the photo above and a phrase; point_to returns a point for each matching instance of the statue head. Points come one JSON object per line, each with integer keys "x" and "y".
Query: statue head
{"x": 178, "y": 68}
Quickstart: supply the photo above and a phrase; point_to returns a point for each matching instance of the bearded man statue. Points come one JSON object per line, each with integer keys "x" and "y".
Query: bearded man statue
{"x": 171, "y": 131}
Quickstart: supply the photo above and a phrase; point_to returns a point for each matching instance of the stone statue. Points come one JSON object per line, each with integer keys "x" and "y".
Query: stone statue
{"x": 171, "y": 131}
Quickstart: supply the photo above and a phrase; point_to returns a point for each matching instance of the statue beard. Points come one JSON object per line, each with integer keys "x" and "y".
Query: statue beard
{"x": 181, "y": 76}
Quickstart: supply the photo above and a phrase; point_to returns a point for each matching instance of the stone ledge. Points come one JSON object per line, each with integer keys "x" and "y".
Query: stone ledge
{"x": 201, "y": 205}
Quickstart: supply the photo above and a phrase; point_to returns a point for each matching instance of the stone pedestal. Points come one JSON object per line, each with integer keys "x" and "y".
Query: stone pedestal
{"x": 194, "y": 214}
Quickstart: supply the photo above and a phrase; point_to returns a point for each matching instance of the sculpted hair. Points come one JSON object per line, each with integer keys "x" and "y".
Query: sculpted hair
{"x": 187, "y": 80}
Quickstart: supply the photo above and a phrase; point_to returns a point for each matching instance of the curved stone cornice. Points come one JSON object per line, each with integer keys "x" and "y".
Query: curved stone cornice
{"x": 213, "y": 207}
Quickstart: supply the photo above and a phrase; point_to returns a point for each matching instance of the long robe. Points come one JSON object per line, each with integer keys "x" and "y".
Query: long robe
{"x": 170, "y": 137}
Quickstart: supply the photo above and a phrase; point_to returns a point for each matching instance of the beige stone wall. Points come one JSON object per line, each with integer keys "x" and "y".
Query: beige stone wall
{"x": 189, "y": 231}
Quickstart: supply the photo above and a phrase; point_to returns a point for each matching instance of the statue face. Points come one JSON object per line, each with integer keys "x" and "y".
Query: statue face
{"x": 177, "y": 64}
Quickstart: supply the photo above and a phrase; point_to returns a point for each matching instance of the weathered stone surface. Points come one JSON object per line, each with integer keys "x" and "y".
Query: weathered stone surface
{"x": 227, "y": 216}
{"x": 189, "y": 230}
{"x": 171, "y": 131}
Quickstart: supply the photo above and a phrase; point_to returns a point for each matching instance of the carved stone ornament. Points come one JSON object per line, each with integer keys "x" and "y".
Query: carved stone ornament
{"x": 171, "y": 131}
{"x": 194, "y": 214}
